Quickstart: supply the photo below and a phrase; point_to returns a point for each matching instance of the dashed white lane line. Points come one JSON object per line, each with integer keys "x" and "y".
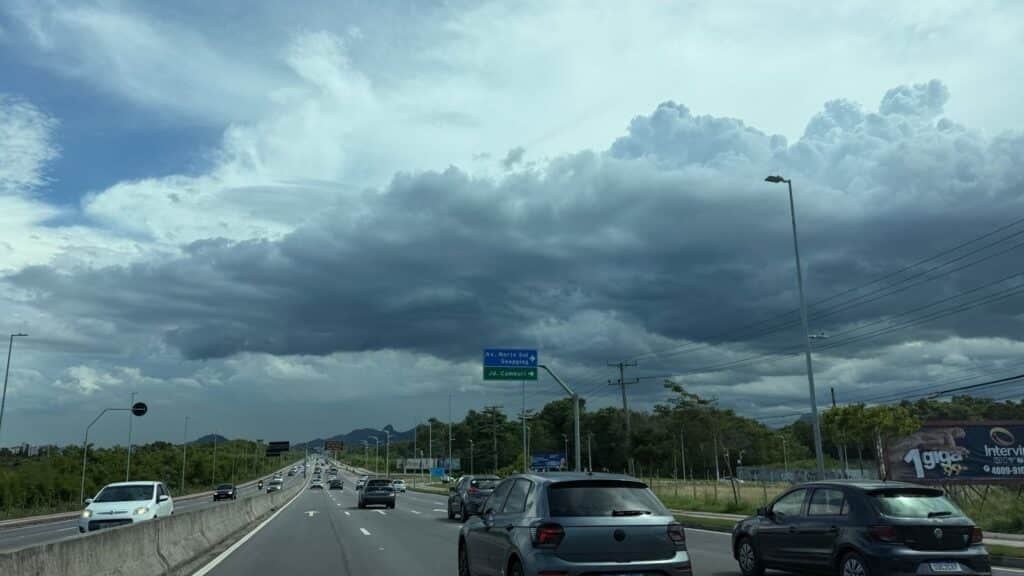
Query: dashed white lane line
{"x": 414, "y": 511}
{"x": 364, "y": 531}
{"x": 381, "y": 512}
{"x": 347, "y": 513}
{"x": 439, "y": 510}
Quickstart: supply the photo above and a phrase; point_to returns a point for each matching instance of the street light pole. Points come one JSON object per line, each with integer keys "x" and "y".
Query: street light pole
{"x": 7, "y": 372}
{"x": 85, "y": 445}
{"x": 471, "y": 470}
{"x": 815, "y": 422}
{"x": 184, "y": 455}
{"x": 131, "y": 417}
{"x": 565, "y": 438}
{"x": 387, "y": 453}
{"x": 376, "y": 456}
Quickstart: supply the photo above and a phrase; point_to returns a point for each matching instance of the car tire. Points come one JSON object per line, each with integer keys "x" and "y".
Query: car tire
{"x": 515, "y": 568}
{"x": 463, "y": 516}
{"x": 464, "y": 560}
{"x": 451, "y": 515}
{"x": 746, "y": 555}
{"x": 853, "y": 564}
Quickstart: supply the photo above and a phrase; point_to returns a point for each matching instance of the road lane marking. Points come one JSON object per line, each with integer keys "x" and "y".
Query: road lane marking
{"x": 347, "y": 513}
{"x": 439, "y": 510}
{"x": 364, "y": 531}
{"x": 223, "y": 555}
{"x": 414, "y": 511}
{"x": 381, "y": 512}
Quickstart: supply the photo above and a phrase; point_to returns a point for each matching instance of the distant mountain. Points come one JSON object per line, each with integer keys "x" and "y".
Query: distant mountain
{"x": 209, "y": 439}
{"x": 355, "y": 438}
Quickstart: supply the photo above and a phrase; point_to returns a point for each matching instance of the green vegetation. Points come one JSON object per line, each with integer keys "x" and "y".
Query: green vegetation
{"x": 51, "y": 481}
{"x": 716, "y": 524}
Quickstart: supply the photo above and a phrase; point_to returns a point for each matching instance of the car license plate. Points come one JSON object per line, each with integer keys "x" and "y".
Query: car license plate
{"x": 945, "y": 566}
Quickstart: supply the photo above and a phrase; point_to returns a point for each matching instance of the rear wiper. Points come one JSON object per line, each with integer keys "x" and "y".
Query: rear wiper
{"x": 630, "y": 512}
{"x": 940, "y": 513}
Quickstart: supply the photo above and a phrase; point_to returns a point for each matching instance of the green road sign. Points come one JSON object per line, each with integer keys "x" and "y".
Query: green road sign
{"x": 496, "y": 373}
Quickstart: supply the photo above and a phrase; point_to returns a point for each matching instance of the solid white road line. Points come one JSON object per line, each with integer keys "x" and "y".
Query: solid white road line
{"x": 223, "y": 555}
{"x": 381, "y": 512}
{"x": 364, "y": 531}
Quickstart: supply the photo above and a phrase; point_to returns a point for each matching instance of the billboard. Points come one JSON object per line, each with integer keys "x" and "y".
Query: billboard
{"x": 978, "y": 452}
{"x": 551, "y": 461}
{"x": 334, "y": 445}
{"x": 277, "y": 448}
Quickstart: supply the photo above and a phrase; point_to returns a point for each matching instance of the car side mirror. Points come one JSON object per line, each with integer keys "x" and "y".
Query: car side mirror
{"x": 88, "y": 501}
{"x": 163, "y": 498}
{"x": 489, "y": 517}
{"x": 451, "y": 489}
{"x": 763, "y": 511}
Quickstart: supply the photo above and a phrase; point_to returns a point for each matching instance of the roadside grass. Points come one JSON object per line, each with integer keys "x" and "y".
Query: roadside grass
{"x": 716, "y": 524}
{"x": 1001, "y": 550}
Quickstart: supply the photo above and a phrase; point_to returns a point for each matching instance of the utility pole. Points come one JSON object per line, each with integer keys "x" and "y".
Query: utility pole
{"x": 430, "y": 442}
{"x": 565, "y": 438}
{"x": 625, "y": 406}
{"x": 590, "y": 458}
{"x": 213, "y": 480}
{"x": 128, "y": 469}
{"x": 682, "y": 452}
{"x": 387, "y": 453}
{"x": 7, "y": 372}
{"x": 471, "y": 456}
{"x": 494, "y": 435}
{"x": 785, "y": 458}
{"x": 718, "y": 474}
{"x": 449, "y": 435}
{"x": 415, "y": 451}
{"x": 526, "y": 445}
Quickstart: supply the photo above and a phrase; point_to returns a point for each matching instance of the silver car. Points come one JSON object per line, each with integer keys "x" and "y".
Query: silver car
{"x": 573, "y": 523}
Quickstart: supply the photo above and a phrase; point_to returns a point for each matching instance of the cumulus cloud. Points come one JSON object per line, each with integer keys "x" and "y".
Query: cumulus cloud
{"x": 26, "y": 145}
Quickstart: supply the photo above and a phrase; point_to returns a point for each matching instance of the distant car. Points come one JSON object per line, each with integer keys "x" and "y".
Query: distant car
{"x": 225, "y": 492}
{"x": 361, "y": 482}
{"x": 399, "y": 485}
{"x": 336, "y": 485}
{"x": 316, "y": 483}
{"x": 468, "y": 496}
{"x": 860, "y": 528}
{"x": 377, "y": 491}
{"x": 291, "y": 472}
{"x": 274, "y": 485}
{"x": 573, "y": 523}
{"x": 125, "y": 503}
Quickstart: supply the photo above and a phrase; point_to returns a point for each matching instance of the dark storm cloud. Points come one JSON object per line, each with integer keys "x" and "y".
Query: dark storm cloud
{"x": 514, "y": 156}
{"x": 672, "y": 232}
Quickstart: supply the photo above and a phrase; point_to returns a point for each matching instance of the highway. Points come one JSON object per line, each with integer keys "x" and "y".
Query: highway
{"x": 22, "y": 536}
{"x": 324, "y": 533}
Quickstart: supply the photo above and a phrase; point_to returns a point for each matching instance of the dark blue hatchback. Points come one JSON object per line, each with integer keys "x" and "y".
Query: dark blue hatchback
{"x": 861, "y": 528}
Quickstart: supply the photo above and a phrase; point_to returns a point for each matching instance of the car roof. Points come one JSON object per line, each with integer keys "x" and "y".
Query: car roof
{"x": 553, "y": 477}
{"x": 866, "y": 485}
{"x": 134, "y": 483}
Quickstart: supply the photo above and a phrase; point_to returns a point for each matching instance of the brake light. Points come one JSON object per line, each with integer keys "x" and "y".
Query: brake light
{"x": 676, "y": 534}
{"x": 547, "y": 535}
{"x": 976, "y": 535}
{"x": 884, "y": 533}
{"x": 474, "y": 490}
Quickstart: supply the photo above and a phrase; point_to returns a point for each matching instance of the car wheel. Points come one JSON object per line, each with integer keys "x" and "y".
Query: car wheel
{"x": 451, "y": 515}
{"x": 853, "y": 565}
{"x": 515, "y": 568}
{"x": 747, "y": 557}
{"x": 464, "y": 560}
{"x": 463, "y": 516}
{"x": 392, "y": 505}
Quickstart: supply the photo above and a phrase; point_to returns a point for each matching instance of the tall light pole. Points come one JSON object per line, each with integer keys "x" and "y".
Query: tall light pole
{"x": 7, "y": 372}
{"x": 131, "y": 417}
{"x": 815, "y": 422}
{"x": 376, "y": 456}
{"x": 213, "y": 479}
{"x": 184, "y": 455}
{"x": 471, "y": 456}
{"x": 366, "y": 455}
{"x": 387, "y": 453}
{"x": 449, "y": 436}
{"x": 85, "y": 445}
{"x": 785, "y": 458}
{"x": 565, "y": 438}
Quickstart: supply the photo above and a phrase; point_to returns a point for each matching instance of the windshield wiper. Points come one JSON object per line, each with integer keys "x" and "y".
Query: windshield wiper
{"x": 630, "y": 512}
{"x": 938, "y": 513}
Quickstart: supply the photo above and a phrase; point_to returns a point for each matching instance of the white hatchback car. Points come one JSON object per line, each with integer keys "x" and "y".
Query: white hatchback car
{"x": 399, "y": 485}
{"x": 125, "y": 503}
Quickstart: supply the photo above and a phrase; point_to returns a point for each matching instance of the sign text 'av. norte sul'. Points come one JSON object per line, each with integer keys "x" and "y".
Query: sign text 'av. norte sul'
{"x": 510, "y": 364}
{"x": 959, "y": 452}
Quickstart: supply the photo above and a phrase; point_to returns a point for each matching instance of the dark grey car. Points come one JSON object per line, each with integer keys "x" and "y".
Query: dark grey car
{"x": 861, "y": 528}
{"x": 377, "y": 491}
{"x": 572, "y": 524}
{"x": 468, "y": 496}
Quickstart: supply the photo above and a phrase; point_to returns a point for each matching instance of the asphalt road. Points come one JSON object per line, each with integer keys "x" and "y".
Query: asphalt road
{"x": 17, "y": 537}
{"x": 324, "y": 533}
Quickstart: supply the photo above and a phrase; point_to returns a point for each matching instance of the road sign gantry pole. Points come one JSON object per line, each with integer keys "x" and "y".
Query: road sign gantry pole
{"x": 576, "y": 412}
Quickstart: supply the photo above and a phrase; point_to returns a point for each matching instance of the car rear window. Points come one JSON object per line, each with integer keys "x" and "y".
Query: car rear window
{"x": 379, "y": 483}
{"x": 126, "y": 493}
{"x": 915, "y": 504}
{"x": 602, "y": 498}
{"x": 225, "y": 487}
{"x": 485, "y": 484}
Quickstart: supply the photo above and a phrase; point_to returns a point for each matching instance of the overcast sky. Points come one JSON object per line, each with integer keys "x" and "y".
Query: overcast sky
{"x": 289, "y": 222}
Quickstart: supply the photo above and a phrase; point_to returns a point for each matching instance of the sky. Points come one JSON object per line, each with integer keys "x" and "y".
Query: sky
{"x": 287, "y": 222}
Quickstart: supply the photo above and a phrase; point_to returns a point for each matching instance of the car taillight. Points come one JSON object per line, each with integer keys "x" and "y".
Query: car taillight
{"x": 473, "y": 490}
{"x": 547, "y": 535}
{"x": 676, "y": 534}
{"x": 976, "y": 535}
{"x": 884, "y": 533}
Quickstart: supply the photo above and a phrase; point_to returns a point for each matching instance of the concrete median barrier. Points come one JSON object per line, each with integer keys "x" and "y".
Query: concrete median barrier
{"x": 161, "y": 546}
